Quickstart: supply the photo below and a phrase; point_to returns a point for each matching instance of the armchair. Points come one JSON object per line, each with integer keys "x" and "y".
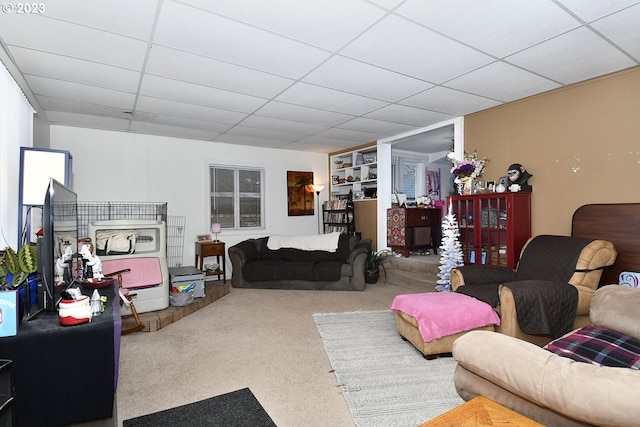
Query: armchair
{"x": 538, "y": 286}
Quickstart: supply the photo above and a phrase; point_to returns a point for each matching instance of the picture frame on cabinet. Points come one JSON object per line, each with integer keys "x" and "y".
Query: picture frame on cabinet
{"x": 335, "y": 179}
{"x": 491, "y": 186}
{"x": 477, "y": 186}
{"x": 503, "y": 180}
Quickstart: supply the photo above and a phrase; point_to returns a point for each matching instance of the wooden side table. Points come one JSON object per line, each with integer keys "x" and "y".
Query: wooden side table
{"x": 216, "y": 249}
{"x": 481, "y": 411}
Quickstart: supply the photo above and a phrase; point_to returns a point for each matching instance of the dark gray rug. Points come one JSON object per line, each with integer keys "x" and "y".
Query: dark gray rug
{"x": 236, "y": 409}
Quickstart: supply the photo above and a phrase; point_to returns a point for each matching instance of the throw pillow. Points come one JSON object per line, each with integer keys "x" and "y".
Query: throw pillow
{"x": 599, "y": 346}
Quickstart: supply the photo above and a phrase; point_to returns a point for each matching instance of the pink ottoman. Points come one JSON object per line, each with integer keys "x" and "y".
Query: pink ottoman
{"x": 433, "y": 321}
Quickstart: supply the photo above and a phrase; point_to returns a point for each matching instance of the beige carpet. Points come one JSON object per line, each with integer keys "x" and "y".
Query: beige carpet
{"x": 265, "y": 340}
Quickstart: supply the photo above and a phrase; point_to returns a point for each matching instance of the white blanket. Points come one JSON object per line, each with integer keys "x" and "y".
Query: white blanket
{"x": 316, "y": 242}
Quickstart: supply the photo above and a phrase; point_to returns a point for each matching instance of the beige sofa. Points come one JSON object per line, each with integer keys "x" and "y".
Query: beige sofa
{"x": 551, "y": 389}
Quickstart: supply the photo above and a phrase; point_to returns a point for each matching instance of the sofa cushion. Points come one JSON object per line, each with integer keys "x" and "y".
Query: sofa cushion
{"x": 292, "y": 270}
{"x": 249, "y": 249}
{"x": 599, "y": 346}
{"x": 292, "y": 254}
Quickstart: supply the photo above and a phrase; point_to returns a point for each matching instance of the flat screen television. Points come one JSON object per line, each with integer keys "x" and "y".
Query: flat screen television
{"x": 58, "y": 246}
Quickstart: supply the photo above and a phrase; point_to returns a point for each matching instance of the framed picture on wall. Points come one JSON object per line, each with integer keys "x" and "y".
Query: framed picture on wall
{"x": 300, "y": 197}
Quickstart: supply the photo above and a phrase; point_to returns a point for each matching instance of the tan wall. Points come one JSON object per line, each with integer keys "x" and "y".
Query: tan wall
{"x": 581, "y": 143}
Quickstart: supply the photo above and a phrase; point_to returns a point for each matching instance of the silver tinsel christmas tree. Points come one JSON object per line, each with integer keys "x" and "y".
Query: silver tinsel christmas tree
{"x": 450, "y": 251}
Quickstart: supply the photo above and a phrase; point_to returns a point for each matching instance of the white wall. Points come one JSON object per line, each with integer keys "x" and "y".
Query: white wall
{"x": 118, "y": 166}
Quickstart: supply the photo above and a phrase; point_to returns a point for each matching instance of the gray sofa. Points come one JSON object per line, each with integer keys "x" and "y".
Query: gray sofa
{"x": 256, "y": 266}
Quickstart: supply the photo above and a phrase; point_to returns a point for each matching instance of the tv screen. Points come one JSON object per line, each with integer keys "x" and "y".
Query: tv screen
{"x": 58, "y": 246}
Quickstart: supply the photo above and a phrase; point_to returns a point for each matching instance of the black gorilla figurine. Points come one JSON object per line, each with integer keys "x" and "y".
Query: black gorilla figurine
{"x": 519, "y": 175}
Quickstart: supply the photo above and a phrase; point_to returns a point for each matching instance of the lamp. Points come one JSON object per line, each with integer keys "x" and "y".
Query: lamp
{"x": 318, "y": 189}
{"x": 215, "y": 229}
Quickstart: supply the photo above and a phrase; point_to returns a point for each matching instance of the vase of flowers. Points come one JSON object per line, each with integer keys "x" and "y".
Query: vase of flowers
{"x": 466, "y": 170}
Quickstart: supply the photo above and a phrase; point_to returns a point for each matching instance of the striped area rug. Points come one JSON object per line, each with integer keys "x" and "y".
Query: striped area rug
{"x": 384, "y": 379}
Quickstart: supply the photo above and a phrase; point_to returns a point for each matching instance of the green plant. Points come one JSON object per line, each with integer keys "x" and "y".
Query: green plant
{"x": 19, "y": 264}
{"x": 375, "y": 259}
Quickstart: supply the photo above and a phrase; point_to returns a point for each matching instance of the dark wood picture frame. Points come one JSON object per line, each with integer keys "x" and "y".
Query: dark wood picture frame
{"x": 300, "y": 197}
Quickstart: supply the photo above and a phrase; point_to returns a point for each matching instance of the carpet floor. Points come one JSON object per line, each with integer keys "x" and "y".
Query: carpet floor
{"x": 384, "y": 379}
{"x": 236, "y": 409}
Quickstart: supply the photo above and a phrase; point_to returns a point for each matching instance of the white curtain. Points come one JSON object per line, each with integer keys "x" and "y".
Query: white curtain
{"x": 16, "y": 130}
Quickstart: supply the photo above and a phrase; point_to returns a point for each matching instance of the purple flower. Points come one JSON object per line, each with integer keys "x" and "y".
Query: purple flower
{"x": 465, "y": 169}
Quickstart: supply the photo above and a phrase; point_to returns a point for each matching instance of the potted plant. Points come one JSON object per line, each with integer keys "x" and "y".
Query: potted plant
{"x": 16, "y": 267}
{"x": 373, "y": 264}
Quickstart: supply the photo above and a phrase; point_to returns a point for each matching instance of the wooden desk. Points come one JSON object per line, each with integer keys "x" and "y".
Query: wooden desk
{"x": 479, "y": 412}
{"x": 216, "y": 249}
{"x": 411, "y": 229}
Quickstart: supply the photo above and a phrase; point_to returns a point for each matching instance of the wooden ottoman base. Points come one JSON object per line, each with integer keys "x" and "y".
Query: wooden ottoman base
{"x": 408, "y": 329}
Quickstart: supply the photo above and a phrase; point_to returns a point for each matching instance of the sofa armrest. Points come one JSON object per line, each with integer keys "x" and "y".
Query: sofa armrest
{"x": 616, "y": 307}
{"x": 585, "y": 392}
{"x": 480, "y": 275}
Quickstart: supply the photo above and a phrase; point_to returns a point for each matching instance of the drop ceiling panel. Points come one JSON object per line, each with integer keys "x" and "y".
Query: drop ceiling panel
{"x": 78, "y": 92}
{"x": 129, "y": 18}
{"x": 44, "y": 64}
{"x": 181, "y": 109}
{"x": 411, "y": 116}
{"x": 569, "y": 58}
{"x": 592, "y": 10}
{"x": 161, "y": 87}
{"x": 328, "y": 24}
{"x": 450, "y": 101}
{"x": 209, "y": 72}
{"x": 87, "y": 121}
{"x": 329, "y": 99}
{"x": 209, "y": 35}
{"x": 503, "y": 82}
{"x": 615, "y": 27}
{"x": 494, "y": 27}
{"x": 173, "y": 131}
{"x": 300, "y": 113}
{"x": 76, "y": 41}
{"x": 350, "y": 135}
{"x": 352, "y": 76}
{"x": 186, "y": 123}
{"x": 400, "y": 45}
{"x": 379, "y": 128}
{"x": 262, "y": 122}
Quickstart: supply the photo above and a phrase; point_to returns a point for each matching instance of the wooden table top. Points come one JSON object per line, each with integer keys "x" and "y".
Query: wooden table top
{"x": 480, "y": 412}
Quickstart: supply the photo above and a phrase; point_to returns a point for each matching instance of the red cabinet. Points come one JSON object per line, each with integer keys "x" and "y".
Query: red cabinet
{"x": 493, "y": 227}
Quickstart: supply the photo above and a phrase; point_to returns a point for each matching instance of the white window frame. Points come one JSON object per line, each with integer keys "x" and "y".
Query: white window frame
{"x": 236, "y": 199}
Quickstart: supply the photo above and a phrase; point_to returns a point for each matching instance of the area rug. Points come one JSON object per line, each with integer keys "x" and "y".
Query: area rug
{"x": 384, "y": 379}
{"x": 236, "y": 409}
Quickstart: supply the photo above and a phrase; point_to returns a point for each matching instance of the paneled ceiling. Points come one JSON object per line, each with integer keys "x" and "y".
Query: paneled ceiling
{"x": 310, "y": 75}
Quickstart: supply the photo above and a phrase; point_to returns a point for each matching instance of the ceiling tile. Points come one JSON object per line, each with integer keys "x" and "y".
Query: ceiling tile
{"x": 569, "y": 58}
{"x": 90, "y": 73}
{"x": 503, "y": 82}
{"x": 350, "y": 135}
{"x": 299, "y": 113}
{"x": 173, "y": 131}
{"x": 181, "y": 109}
{"x": 329, "y": 99}
{"x": 328, "y": 24}
{"x": 616, "y": 28}
{"x": 72, "y": 40}
{"x": 261, "y": 122}
{"x": 251, "y": 141}
{"x": 187, "y": 67}
{"x": 87, "y": 121}
{"x": 450, "y": 101}
{"x": 129, "y": 18}
{"x": 186, "y": 123}
{"x": 264, "y": 133}
{"x": 409, "y": 115}
{"x": 161, "y": 87}
{"x": 356, "y": 77}
{"x": 377, "y": 127}
{"x": 592, "y": 10}
{"x": 495, "y": 26}
{"x": 50, "y": 104}
{"x": 78, "y": 92}
{"x": 194, "y": 30}
{"x": 404, "y": 47}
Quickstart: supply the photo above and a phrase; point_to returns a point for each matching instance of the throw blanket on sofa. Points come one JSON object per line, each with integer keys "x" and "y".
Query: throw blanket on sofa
{"x": 545, "y": 307}
{"x": 317, "y": 242}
